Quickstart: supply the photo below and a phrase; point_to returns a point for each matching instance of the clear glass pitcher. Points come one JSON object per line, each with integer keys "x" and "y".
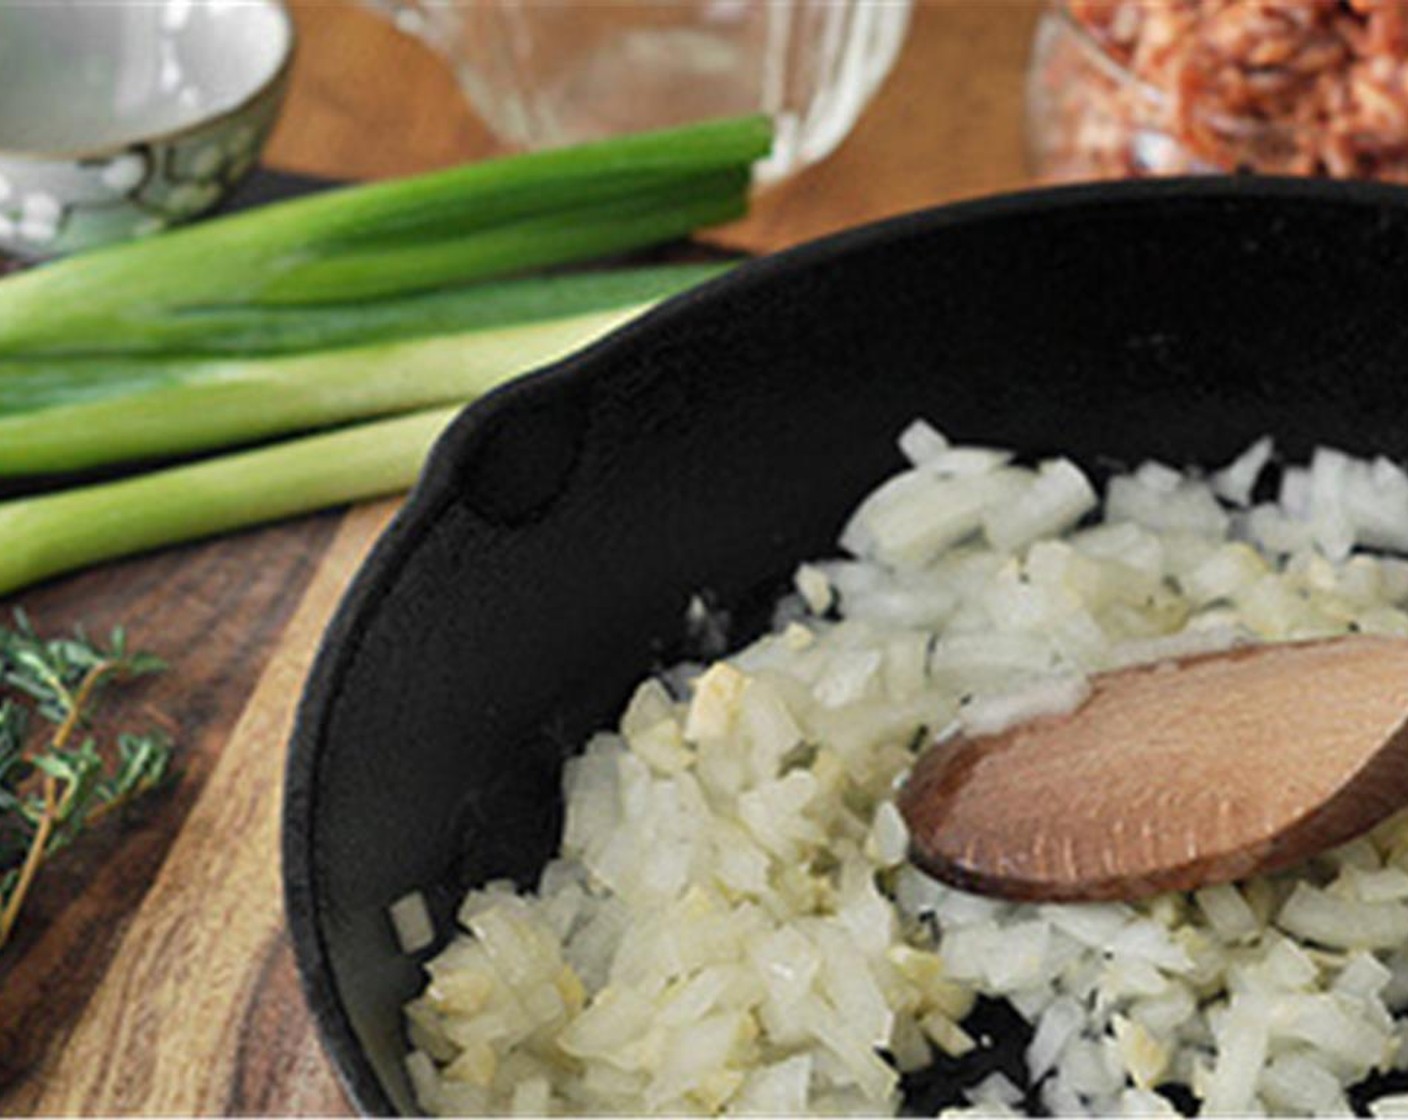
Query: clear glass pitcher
{"x": 544, "y": 73}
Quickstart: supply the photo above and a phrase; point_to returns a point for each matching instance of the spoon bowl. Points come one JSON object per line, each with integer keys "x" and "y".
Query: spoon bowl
{"x": 1172, "y": 776}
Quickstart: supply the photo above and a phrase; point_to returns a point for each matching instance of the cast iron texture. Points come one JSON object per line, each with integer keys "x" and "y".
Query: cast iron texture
{"x": 545, "y": 560}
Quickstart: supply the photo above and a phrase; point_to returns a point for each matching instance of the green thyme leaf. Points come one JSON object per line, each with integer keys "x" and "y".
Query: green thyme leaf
{"x": 53, "y": 784}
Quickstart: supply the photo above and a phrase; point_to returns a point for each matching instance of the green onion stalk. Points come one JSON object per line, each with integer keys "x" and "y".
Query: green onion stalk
{"x": 386, "y": 240}
{"x": 130, "y": 409}
{"x": 246, "y": 330}
{"x": 55, "y": 533}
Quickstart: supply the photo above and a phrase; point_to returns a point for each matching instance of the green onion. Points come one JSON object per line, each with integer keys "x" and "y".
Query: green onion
{"x": 581, "y": 233}
{"x": 376, "y": 301}
{"x": 28, "y": 385}
{"x": 474, "y": 222}
{"x": 55, "y": 533}
{"x": 253, "y": 329}
{"x": 219, "y": 403}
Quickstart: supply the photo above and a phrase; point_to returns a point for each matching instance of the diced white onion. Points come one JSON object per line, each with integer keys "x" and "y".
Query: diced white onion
{"x": 921, "y": 442}
{"x": 410, "y": 917}
{"x": 1236, "y": 481}
{"x": 1050, "y": 696}
{"x": 731, "y": 926}
{"x": 958, "y": 462}
{"x": 1055, "y": 501}
{"x": 1392, "y": 1105}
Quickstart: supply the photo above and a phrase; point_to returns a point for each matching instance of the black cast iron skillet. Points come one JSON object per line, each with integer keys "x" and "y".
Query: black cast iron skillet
{"x": 544, "y": 563}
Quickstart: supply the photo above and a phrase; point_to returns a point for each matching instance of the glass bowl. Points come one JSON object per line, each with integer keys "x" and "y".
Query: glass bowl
{"x": 545, "y": 75}
{"x": 1216, "y": 90}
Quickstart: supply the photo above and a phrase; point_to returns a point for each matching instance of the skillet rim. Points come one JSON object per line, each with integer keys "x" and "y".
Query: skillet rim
{"x": 435, "y": 490}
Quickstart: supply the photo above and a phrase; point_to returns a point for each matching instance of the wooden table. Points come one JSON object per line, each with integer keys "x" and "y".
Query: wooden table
{"x": 151, "y": 972}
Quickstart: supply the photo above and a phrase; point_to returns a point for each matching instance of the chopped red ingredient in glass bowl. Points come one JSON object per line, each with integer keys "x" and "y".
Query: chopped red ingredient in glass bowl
{"x": 1309, "y": 87}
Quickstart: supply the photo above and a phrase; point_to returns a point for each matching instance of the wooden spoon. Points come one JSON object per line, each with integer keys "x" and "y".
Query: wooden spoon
{"x": 1172, "y": 776}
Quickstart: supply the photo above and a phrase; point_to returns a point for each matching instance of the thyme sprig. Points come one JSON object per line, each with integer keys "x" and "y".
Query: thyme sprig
{"x": 55, "y": 778}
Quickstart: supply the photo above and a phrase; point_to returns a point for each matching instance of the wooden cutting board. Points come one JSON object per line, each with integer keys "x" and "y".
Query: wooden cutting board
{"x": 179, "y": 960}
{"x": 151, "y": 972}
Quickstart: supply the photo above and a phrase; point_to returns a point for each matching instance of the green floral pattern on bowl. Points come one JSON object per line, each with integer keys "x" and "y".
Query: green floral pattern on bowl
{"x": 52, "y": 204}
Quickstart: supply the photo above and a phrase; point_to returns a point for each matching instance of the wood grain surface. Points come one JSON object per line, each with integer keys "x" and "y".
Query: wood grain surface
{"x": 1061, "y": 808}
{"x": 151, "y": 971}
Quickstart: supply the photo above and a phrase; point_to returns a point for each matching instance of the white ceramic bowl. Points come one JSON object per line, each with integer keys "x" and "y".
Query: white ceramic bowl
{"x": 118, "y": 120}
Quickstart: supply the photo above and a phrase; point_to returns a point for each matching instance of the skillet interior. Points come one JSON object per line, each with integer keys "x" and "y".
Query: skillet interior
{"x": 546, "y": 559}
